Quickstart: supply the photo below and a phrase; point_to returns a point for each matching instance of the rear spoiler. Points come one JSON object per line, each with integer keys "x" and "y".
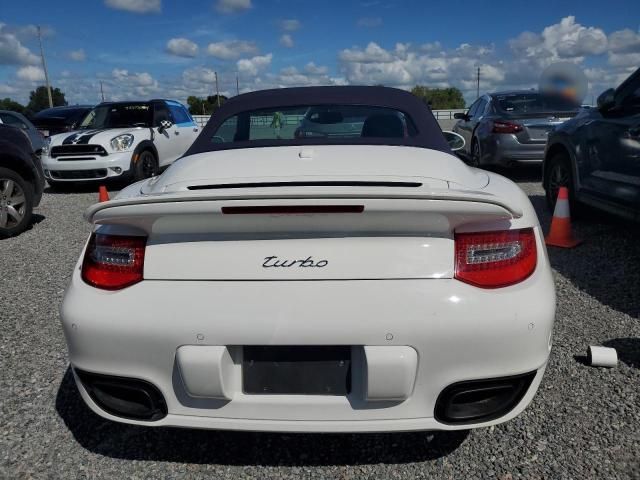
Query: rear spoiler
{"x": 100, "y": 212}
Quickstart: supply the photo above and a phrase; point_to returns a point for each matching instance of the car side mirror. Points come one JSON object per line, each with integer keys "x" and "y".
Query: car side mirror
{"x": 461, "y": 116}
{"x": 607, "y": 100}
{"x": 164, "y": 125}
{"x": 455, "y": 141}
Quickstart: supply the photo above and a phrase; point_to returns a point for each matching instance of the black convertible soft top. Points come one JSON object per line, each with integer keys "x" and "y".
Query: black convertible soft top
{"x": 429, "y": 135}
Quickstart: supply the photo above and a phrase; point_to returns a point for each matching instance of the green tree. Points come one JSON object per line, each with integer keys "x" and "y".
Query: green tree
{"x": 8, "y": 104}
{"x": 204, "y": 106}
{"x": 440, "y": 98}
{"x": 39, "y": 100}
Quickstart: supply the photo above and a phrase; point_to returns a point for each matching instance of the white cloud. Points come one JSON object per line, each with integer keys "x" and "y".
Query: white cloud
{"x": 136, "y": 6}
{"x": 373, "y": 53}
{"x": 290, "y": 25}
{"x": 286, "y": 40}
{"x": 133, "y": 84}
{"x": 231, "y": 49}
{"x": 314, "y": 69}
{"x": 233, "y": 6}
{"x": 12, "y": 51}
{"x": 292, "y": 77}
{"x": 30, "y": 73}
{"x": 182, "y": 47}
{"x": 78, "y": 55}
{"x": 624, "y": 60}
{"x": 369, "y": 22}
{"x": 140, "y": 79}
{"x": 566, "y": 39}
{"x": 251, "y": 66}
{"x": 624, "y": 41}
{"x": 7, "y": 89}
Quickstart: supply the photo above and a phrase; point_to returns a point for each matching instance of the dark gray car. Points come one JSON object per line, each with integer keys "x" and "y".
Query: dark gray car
{"x": 15, "y": 119}
{"x": 597, "y": 154}
{"x": 511, "y": 128}
{"x": 21, "y": 181}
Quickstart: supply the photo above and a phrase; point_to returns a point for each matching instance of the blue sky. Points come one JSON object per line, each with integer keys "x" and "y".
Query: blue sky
{"x": 151, "y": 48}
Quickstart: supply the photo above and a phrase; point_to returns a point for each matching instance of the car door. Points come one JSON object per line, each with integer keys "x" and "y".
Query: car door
{"x": 166, "y": 140}
{"x": 613, "y": 149}
{"x": 185, "y": 125}
{"x": 18, "y": 121}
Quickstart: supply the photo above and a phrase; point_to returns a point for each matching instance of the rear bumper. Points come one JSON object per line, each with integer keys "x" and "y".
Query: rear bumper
{"x": 100, "y": 168}
{"x": 458, "y": 332}
{"x": 505, "y": 150}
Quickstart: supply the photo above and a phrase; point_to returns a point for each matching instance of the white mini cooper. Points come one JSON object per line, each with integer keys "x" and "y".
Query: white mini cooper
{"x": 117, "y": 139}
{"x": 359, "y": 279}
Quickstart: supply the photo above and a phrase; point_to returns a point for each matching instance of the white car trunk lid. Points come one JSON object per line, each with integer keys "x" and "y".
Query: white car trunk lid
{"x": 304, "y": 223}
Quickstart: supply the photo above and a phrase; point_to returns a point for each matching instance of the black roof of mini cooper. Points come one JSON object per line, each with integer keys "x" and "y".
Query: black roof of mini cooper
{"x": 429, "y": 135}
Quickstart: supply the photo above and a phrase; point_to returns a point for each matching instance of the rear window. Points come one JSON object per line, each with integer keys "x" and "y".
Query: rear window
{"x": 62, "y": 113}
{"x": 533, "y": 102}
{"x": 315, "y": 122}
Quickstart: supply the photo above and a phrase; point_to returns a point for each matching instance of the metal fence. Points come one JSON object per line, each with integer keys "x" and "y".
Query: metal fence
{"x": 202, "y": 120}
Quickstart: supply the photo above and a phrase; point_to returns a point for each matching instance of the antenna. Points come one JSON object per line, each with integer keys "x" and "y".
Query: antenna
{"x": 478, "y": 88}
{"x": 44, "y": 67}
{"x": 237, "y": 85}
{"x": 101, "y": 91}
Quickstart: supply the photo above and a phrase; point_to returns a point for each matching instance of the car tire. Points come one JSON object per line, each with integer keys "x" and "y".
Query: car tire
{"x": 16, "y": 203}
{"x": 558, "y": 173}
{"x": 146, "y": 166}
{"x": 475, "y": 154}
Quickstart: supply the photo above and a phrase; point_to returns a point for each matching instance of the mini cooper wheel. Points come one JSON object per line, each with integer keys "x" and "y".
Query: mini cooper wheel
{"x": 16, "y": 203}
{"x": 146, "y": 166}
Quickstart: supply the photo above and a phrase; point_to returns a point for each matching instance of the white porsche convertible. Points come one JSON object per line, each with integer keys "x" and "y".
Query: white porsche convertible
{"x": 351, "y": 275}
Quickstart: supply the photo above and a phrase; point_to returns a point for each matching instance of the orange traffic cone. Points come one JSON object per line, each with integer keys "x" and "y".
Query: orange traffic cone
{"x": 103, "y": 195}
{"x": 561, "y": 234}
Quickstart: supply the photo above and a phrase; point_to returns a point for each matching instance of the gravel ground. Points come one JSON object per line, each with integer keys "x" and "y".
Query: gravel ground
{"x": 583, "y": 423}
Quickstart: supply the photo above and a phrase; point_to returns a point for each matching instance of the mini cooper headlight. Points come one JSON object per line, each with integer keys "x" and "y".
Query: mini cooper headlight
{"x": 122, "y": 142}
{"x": 44, "y": 152}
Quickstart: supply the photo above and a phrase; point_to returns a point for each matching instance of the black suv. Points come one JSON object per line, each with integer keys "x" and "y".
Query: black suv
{"x": 597, "y": 154}
{"x": 21, "y": 181}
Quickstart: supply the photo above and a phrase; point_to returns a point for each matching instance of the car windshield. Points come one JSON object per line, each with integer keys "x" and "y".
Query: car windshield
{"x": 534, "y": 102}
{"x": 118, "y": 115}
{"x": 315, "y": 121}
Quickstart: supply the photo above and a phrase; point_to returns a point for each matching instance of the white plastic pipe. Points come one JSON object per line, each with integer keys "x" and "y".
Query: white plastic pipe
{"x": 602, "y": 356}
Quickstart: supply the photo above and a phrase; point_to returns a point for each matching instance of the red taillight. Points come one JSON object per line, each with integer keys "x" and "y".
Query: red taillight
{"x": 506, "y": 127}
{"x": 495, "y": 259}
{"x": 112, "y": 262}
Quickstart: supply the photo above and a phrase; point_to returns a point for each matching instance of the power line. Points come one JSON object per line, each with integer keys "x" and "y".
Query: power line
{"x": 44, "y": 67}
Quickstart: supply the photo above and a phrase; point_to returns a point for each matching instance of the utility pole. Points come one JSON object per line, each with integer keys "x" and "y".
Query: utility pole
{"x": 101, "y": 91}
{"x": 478, "y": 89}
{"x": 237, "y": 85}
{"x": 217, "y": 91}
{"x": 44, "y": 67}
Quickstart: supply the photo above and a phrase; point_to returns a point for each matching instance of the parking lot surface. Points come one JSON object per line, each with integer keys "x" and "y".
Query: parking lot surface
{"x": 583, "y": 423}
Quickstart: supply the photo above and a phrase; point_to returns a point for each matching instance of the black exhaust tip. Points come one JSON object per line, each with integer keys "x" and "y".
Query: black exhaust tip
{"x": 477, "y": 401}
{"x": 124, "y": 397}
